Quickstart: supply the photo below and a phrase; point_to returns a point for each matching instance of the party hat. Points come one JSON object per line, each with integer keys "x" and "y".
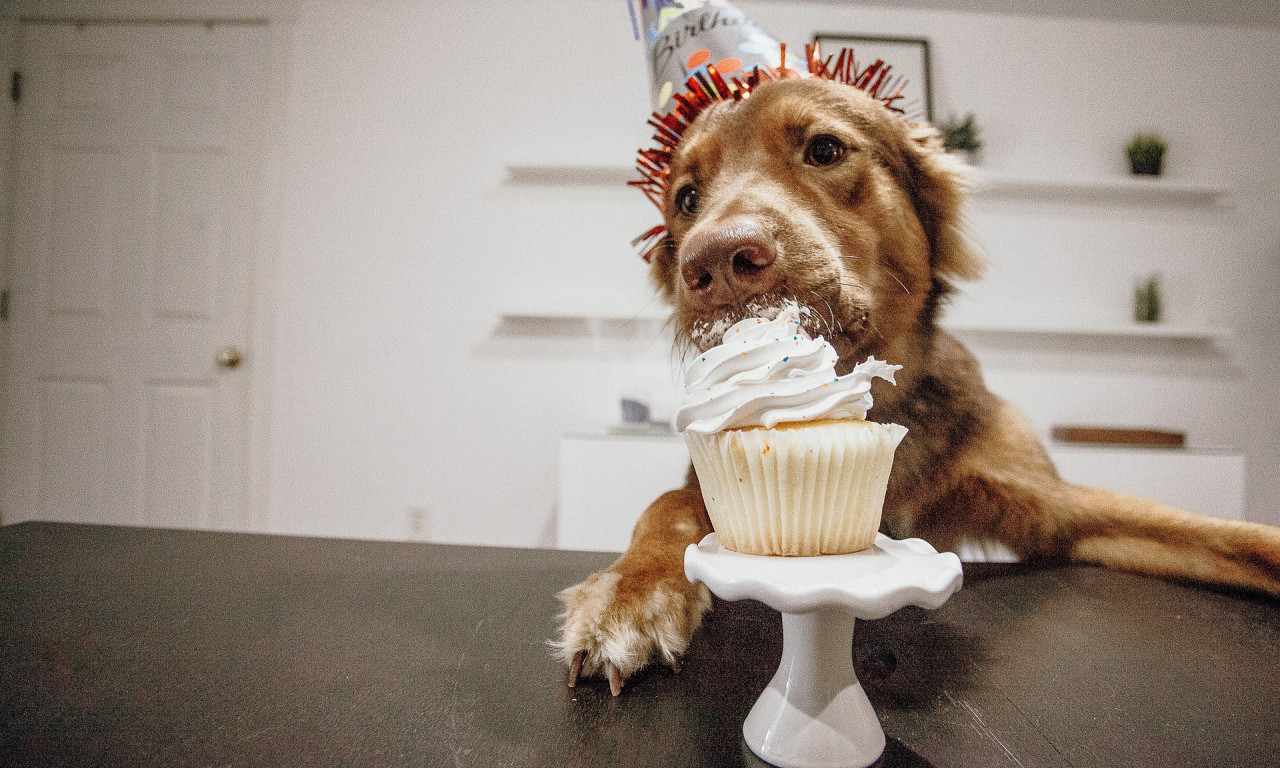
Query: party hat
{"x": 684, "y": 37}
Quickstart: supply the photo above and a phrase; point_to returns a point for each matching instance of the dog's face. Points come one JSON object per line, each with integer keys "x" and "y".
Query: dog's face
{"x": 813, "y": 192}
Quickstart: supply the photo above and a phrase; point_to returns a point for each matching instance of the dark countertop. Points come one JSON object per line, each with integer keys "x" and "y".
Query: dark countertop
{"x": 143, "y": 647}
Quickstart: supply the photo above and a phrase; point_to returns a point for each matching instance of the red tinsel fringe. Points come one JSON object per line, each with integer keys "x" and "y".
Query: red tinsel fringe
{"x": 654, "y": 163}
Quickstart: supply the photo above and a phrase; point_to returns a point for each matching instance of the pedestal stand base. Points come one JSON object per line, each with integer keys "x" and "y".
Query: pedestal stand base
{"x": 814, "y": 713}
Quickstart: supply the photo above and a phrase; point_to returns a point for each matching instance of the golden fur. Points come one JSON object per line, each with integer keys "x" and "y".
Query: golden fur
{"x": 870, "y": 245}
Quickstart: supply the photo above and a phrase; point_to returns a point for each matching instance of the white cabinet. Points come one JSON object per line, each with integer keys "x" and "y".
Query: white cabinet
{"x": 1208, "y": 482}
{"x": 607, "y": 480}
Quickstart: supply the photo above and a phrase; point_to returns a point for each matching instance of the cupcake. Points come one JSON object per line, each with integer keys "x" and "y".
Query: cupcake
{"x": 787, "y": 461}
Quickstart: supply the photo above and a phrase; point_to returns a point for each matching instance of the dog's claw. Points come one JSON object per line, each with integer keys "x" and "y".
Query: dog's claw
{"x": 576, "y": 667}
{"x": 615, "y": 680}
{"x": 675, "y": 666}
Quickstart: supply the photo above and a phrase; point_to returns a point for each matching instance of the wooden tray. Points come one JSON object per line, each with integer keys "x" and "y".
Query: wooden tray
{"x": 1119, "y": 436}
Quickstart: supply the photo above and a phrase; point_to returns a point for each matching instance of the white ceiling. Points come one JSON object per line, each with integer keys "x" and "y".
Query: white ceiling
{"x": 1258, "y": 13}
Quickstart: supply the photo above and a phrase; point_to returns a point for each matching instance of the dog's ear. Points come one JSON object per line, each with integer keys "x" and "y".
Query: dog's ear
{"x": 938, "y": 184}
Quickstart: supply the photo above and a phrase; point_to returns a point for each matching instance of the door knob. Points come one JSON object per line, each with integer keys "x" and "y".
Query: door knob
{"x": 230, "y": 357}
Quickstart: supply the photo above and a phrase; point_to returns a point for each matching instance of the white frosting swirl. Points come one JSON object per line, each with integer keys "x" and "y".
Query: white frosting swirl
{"x": 770, "y": 371}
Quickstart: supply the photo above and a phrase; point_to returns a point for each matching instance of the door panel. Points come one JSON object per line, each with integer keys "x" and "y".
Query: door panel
{"x": 73, "y": 473}
{"x": 179, "y": 453}
{"x": 189, "y": 234}
{"x": 80, "y": 215}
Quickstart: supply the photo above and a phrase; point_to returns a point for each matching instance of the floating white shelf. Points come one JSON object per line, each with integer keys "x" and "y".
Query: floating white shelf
{"x": 657, "y": 314}
{"x": 600, "y": 308}
{"x": 986, "y": 183}
{"x": 1121, "y": 188}
{"x": 570, "y": 175}
{"x": 1167, "y": 331}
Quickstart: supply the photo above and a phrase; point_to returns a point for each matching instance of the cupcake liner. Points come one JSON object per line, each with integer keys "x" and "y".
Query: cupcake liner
{"x": 797, "y": 489}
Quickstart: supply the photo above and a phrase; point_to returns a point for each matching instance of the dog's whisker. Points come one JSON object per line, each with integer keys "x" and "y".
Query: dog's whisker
{"x": 826, "y": 322}
{"x": 899, "y": 282}
{"x": 831, "y": 313}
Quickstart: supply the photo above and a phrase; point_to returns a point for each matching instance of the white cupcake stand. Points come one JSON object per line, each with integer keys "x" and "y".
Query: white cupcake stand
{"x": 814, "y": 713}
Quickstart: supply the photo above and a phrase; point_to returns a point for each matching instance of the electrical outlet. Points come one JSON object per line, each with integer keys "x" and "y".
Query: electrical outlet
{"x": 419, "y": 520}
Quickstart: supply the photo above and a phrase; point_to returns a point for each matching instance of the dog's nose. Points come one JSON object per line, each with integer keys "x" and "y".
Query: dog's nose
{"x": 729, "y": 261}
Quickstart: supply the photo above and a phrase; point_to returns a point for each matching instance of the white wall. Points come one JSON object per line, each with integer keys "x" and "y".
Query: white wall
{"x": 399, "y": 240}
{"x": 401, "y": 244}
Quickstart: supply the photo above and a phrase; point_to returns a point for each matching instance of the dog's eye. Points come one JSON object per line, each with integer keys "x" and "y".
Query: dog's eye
{"x": 824, "y": 149}
{"x": 687, "y": 200}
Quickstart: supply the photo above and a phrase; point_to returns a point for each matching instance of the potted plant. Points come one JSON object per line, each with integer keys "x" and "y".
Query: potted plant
{"x": 961, "y": 136}
{"x": 1146, "y": 154}
{"x": 1146, "y": 299}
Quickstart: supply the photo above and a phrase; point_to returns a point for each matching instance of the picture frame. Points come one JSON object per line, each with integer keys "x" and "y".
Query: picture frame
{"x": 909, "y": 56}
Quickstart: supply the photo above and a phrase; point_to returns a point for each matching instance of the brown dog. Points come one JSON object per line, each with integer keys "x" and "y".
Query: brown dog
{"x": 811, "y": 191}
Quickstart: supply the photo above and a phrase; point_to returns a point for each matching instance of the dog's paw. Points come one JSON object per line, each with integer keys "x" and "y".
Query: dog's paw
{"x": 614, "y": 624}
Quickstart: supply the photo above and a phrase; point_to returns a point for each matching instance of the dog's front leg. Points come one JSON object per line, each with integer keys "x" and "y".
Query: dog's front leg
{"x": 1133, "y": 534}
{"x": 642, "y": 605}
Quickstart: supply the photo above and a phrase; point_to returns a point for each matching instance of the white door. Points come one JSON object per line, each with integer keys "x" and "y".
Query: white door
{"x": 136, "y": 202}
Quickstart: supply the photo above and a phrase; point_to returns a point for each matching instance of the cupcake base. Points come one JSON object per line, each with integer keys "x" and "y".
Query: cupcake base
{"x": 802, "y": 488}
